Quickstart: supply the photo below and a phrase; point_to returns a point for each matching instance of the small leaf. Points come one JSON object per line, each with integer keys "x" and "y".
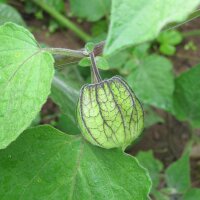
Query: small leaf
{"x": 167, "y": 49}
{"x": 178, "y": 174}
{"x": 26, "y": 73}
{"x": 168, "y": 40}
{"x": 10, "y": 14}
{"x": 89, "y": 47}
{"x": 187, "y": 96}
{"x": 190, "y": 46}
{"x": 134, "y": 22}
{"x": 102, "y": 63}
{"x": 89, "y": 9}
{"x": 153, "y": 81}
{"x": 85, "y": 62}
{"x": 48, "y": 164}
{"x": 170, "y": 37}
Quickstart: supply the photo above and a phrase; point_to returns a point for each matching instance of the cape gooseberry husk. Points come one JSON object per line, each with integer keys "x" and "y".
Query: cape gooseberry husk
{"x": 109, "y": 114}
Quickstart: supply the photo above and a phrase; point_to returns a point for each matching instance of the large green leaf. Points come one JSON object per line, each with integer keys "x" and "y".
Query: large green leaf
{"x": 25, "y": 79}
{"x": 152, "y": 80}
{"x": 10, "y": 14}
{"x": 187, "y": 96}
{"x": 44, "y": 163}
{"x": 134, "y": 22}
{"x": 178, "y": 174}
{"x": 89, "y": 9}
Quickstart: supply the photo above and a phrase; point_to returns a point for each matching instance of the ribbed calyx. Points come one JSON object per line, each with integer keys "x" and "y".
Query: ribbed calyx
{"x": 109, "y": 114}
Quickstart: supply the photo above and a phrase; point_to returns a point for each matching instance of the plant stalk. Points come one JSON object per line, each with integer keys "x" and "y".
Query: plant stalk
{"x": 191, "y": 33}
{"x": 63, "y": 20}
{"x": 96, "y": 78}
{"x": 98, "y": 49}
{"x": 67, "y": 52}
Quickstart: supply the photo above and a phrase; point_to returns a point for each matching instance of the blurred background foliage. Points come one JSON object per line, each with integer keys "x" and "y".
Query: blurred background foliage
{"x": 164, "y": 73}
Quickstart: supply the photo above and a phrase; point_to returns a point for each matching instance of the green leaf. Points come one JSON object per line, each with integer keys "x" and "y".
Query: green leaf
{"x": 85, "y": 62}
{"x": 187, "y": 96}
{"x": 44, "y": 163}
{"x": 129, "y": 66}
{"x": 168, "y": 40}
{"x": 89, "y": 47}
{"x": 10, "y": 14}
{"x": 141, "y": 51}
{"x": 26, "y": 73}
{"x": 192, "y": 194}
{"x": 153, "y": 165}
{"x": 153, "y": 82}
{"x": 172, "y": 37}
{"x": 89, "y": 9}
{"x": 64, "y": 94}
{"x": 190, "y": 46}
{"x": 167, "y": 49}
{"x": 178, "y": 174}
{"x": 102, "y": 63}
{"x": 117, "y": 60}
{"x": 134, "y": 22}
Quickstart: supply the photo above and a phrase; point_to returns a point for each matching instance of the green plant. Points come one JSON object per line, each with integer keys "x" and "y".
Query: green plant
{"x": 176, "y": 177}
{"x": 168, "y": 41}
{"x": 46, "y": 163}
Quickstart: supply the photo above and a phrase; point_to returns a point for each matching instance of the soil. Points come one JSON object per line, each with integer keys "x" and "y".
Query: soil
{"x": 167, "y": 140}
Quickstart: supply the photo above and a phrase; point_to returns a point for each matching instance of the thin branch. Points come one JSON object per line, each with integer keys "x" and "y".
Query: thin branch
{"x": 67, "y": 52}
{"x": 195, "y": 32}
{"x": 98, "y": 49}
{"x": 95, "y": 72}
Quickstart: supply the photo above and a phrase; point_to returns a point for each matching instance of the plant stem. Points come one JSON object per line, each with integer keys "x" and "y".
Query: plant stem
{"x": 63, "y": 20}
{"x": 67, "y": 52}
{"x": 98, "y": 49}
{"x": 191, "y": 33}
{"x": 96, "y": 78}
